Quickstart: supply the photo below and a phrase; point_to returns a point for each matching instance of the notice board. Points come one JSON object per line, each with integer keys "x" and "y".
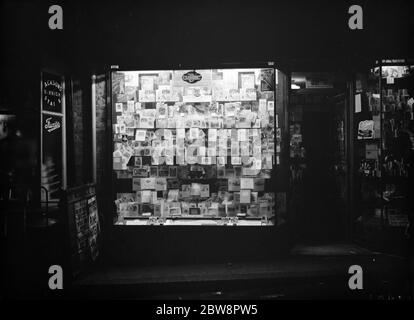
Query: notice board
{"x": 82, "y": 227}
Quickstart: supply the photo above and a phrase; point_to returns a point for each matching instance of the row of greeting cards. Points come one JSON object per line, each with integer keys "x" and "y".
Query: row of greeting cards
{"x": 193, "y": 86}
{"x": 214, "y": 115}
{"x": 244, "y": 203}
{"x": 194, "y": 150}
{"x": 254, "y": 149}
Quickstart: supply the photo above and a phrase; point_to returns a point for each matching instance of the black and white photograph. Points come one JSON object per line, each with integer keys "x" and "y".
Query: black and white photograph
{"x": 212, "y": 157}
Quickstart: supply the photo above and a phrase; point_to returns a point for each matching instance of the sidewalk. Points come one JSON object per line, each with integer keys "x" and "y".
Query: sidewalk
{"x": 308, "y": 272}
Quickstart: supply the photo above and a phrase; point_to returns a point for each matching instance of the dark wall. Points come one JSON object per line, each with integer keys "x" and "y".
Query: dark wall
{"x": 26, "y": 47}
{"x": 152, "y": 245}
{"x": 158, "y": 33}
{"x": 79, "y": 130}
{"x": 97, "y": 34}
{"x": 155, "y": 34}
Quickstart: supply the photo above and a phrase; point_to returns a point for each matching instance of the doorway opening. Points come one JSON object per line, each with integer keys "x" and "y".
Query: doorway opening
{"x": 318, "y": 157}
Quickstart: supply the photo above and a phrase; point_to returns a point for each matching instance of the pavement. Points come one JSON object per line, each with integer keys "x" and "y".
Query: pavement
{"x": 308, "y": 272}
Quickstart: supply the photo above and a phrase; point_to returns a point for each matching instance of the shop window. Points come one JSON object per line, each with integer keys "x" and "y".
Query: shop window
{"x": 195, "y": 147}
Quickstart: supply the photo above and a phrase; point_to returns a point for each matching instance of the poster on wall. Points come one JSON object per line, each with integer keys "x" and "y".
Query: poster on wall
{"x": 82, "y": 226}
{"x": 51, "y": 167}
{"x": 52, "y": 92}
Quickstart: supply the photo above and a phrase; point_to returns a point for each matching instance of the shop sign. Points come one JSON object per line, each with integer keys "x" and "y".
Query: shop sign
{"x": 52, "y": 93}
{"x": 192, "y": 77}
{"x": 186, "y": 78}
{"x": 319, "y": 81}
{"x": 51, "y": 125}
{"x": 51, "y": 170}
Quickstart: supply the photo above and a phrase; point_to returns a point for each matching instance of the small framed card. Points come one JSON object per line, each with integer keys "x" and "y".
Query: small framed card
{"x": 118, "y": 107}
{"x": 205, "y": 191}
{"x": 245, "y": 196}
{"x": 246, "y": 183}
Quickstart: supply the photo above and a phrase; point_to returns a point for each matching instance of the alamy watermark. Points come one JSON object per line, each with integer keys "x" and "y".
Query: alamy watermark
{"x": 356, "y": 280}
{"x": 355, "y": 21}
{"x": 56, "y": 280}
{"x": 56, "y": 18}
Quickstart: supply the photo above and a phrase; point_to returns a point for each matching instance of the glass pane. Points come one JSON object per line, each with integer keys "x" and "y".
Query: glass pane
{"x": 195, "y": 147}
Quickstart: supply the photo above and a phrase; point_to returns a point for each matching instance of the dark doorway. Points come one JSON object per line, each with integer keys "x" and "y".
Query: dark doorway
{"x": 318, "y": 161}
{"x": 316, "y": 180}
{"x": 319, "y": 197}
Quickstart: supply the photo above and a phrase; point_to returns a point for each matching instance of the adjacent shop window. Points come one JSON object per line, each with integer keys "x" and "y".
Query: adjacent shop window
{"x": 384, "y": 143}
{"x": 194, "y": 147}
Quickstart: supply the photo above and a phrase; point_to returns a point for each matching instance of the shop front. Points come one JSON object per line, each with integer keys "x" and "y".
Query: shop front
{"x": 383, "y": 154}
{"x": 351, "y": 155}
{"x": 238, "y": 162}
{"x": 198, "y": 160}
{"x": 232, "y": 163}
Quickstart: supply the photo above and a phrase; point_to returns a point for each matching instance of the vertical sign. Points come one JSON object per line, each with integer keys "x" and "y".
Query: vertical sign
{"x": 52, "y": 93}
{"x": 52, "y": 155}
{"x": 53, "y": 144}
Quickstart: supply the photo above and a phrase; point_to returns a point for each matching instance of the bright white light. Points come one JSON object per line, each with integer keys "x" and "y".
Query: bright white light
{"x": 294, "y": 86}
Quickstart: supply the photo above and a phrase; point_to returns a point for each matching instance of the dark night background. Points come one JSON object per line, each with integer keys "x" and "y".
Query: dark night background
{"x": 97, "y": 34}
{"x": 145, "y": 33}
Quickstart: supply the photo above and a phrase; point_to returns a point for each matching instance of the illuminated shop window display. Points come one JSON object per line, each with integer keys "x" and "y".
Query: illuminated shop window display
{"x": 194, "y": 147}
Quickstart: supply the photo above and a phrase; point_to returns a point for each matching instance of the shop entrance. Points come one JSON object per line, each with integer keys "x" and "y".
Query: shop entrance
{"x": 318, "y": 159}
{"x": 317, "y": 182}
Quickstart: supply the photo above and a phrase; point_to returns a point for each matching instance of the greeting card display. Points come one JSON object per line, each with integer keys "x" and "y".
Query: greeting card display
{"x": 196, "y": 143}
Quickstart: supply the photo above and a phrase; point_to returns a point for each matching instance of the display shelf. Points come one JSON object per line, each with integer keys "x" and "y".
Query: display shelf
{"x": 193, "y": 222}
{"x": 184, "y": 217}
{"x": 385, "y": 94}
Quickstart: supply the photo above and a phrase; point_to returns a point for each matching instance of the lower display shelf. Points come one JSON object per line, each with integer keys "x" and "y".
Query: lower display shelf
{"x": 197, "y": 221}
